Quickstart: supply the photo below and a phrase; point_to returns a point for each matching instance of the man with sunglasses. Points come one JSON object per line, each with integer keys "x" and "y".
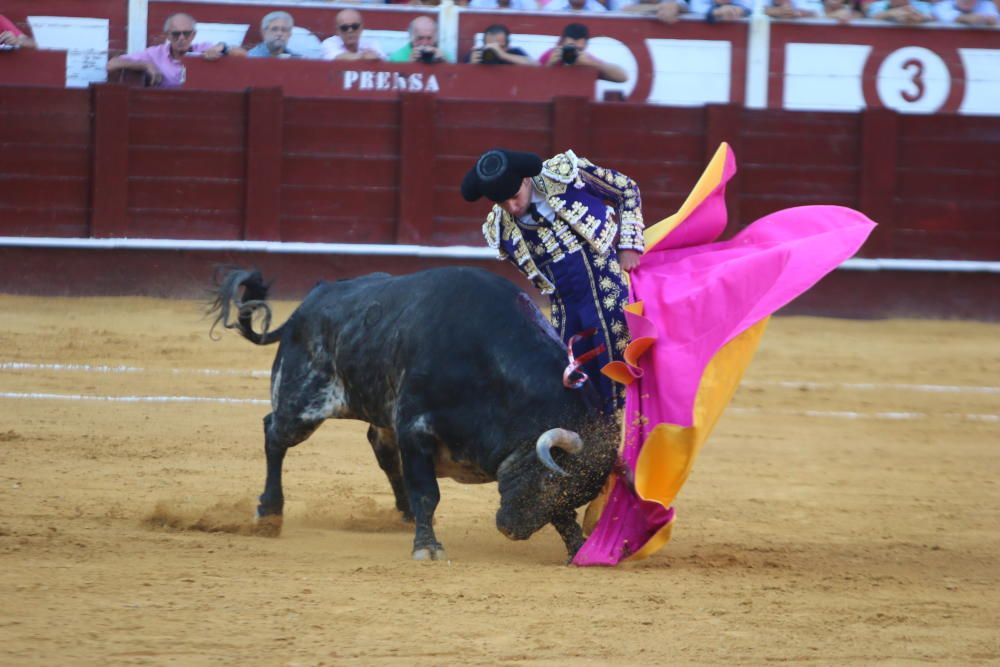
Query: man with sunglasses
{"x": 348, "y": 44}
{"x": 162, "y": 63}
{"x": 275, "y": 29}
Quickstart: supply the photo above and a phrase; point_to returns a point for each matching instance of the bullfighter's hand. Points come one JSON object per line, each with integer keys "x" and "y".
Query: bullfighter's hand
{"x": 628, "y": 259}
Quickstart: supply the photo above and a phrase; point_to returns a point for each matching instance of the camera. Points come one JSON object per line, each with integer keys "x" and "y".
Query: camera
{"x": 426, "y": 56}
{"x": 488, "y": 56}
{"x": 569, "y": 54}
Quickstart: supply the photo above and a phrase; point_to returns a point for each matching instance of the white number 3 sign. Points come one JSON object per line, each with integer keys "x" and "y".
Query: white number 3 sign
{"x": 913, "y": 80}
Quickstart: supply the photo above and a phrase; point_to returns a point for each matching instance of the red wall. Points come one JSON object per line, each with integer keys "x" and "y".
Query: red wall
{"x": 115, "y": 161}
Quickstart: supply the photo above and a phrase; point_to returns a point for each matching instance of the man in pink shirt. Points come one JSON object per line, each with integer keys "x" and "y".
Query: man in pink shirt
{"x": 162, "y": 64}
{"x": 11, "y": 37}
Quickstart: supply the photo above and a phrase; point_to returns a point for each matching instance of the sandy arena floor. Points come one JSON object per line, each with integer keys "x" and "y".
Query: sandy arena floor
{"x": 846, "y": 511}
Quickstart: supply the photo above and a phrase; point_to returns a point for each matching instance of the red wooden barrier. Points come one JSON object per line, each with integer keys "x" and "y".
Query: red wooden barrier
{"x": 45, "y": 161}
{"x": 416, "y": 166}
{"x": 262, "y": 203}
{"x": 109, "y": 173}
{"x": 32, "y": 67}
{"x": 257, "y": 165}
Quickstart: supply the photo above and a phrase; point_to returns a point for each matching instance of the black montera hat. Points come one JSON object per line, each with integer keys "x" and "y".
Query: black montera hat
{"x": 498, "y": 174}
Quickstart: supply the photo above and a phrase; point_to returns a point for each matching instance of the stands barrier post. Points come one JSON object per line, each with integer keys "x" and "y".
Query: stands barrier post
{"x": 570, "y": 123}
{"x": 138, "y": 15}
{"x": 447, "y": 17}
{"x": 724, "y": 122}
{"x": 877, "y": 177}
{"x": 109, "y": 163}
{"x": 416, "y": 168}
{"x": 264, "y": 150}
{"x": 758, "y": 57}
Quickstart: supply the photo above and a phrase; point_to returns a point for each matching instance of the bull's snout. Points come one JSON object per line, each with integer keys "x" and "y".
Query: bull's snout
{"x": 514, "y": 530}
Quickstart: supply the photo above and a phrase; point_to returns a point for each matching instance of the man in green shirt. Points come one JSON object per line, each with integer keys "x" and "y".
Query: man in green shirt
{"x": 423, "y": 44}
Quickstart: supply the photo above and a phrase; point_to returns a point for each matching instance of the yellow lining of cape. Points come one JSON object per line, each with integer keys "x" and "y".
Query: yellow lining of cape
{"x": 709, "y": 180}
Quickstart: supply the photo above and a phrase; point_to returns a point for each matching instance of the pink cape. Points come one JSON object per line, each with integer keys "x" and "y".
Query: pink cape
{"x": 694, "y": 307}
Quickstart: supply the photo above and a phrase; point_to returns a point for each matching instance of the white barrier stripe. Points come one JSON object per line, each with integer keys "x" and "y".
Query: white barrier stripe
{"x": 850, "y": 414}
{"x": 133, "y": 399}
{"x": 872, "y": 386}
{"x": 907, "y": 264}
{"x": 786, "y": 384}
{"x": 835, "y": 414}
{"x": 278, "y": 247}
{"x": 400, "y": 250}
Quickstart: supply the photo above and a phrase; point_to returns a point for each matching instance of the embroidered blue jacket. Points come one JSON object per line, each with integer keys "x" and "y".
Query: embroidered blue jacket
{"x": 593, "y": 206}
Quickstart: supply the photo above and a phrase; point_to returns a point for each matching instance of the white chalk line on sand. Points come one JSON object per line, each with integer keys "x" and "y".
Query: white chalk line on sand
{"x": 834, "y": 414}
{"x": 877, "y": 386}
{"x": 133, "y": 399}
{"x": 884, "y": 416}
{"x": 785, "y": 384}
{"x": 92, "y": 368}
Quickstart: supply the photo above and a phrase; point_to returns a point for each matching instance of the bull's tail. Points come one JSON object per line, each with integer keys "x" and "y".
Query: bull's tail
{"x": 252, "y": 303}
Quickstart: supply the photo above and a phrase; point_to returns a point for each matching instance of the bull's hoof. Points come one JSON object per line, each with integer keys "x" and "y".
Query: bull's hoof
{"x": 267, "y": 526}
{"x": 430, "y": 553}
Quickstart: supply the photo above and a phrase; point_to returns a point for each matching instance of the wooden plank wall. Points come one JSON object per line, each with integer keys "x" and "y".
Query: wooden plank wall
{"x": 947, "y": 194}
{"x": 340, "y": 171}
{"x": 183, "y": 152}
{"x": 45, "y": 140}
{"x": 117, "y": 161}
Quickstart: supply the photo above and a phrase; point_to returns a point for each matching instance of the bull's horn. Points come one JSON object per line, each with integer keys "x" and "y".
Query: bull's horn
{"x": 557, "y": 437}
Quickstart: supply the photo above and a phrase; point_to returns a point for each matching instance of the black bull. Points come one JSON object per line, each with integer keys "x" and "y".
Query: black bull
{"x": 458, "y": 374}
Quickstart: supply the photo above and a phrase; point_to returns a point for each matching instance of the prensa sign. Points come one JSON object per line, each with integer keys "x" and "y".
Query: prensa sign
{"x": 379, "y": 80}
{"x": 413, "y": 82}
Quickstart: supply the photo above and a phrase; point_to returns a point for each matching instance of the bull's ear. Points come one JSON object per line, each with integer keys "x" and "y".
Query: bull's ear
{"x": 470, "y": 186}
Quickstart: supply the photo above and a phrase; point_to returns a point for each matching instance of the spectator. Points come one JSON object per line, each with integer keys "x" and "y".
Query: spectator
{"x": 496, "y": 49}
{"x": 900, "y": 11}
{"x": 575, "y": 6}
{"x": 275, "y": 30}
{"x": 162, "y": 64}
{"x": 11, "y": 37}
{"x": 966, "y": 12}
{"x": 571, "y": 51}
{"x": 722, "y": 11}
{"x": 516, "y": 5}
{"x": 349, "y": 43}
{"x": 790, "y": 9}
{"x": 423, "y": 44}
{"x": 667, "y": 11}
{"x": 640, "y": 7}
{"x": 841, "y": 10}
